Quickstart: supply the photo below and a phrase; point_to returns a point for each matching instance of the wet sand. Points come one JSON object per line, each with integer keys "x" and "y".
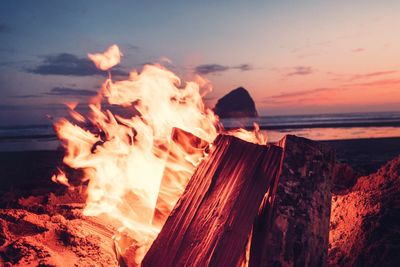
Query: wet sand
{"x": 333, "y": 125}
{"x": 29, "y": 172}
{"x": 366, "y": 155}
{"x": 25, "y": 173}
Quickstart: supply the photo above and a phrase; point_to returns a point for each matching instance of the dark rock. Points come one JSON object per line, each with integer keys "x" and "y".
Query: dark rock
{"x": 236, "y": 104}
{"x": 364, "y": 227}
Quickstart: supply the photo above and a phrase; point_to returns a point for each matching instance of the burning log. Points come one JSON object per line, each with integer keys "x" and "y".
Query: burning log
{"x": 211, "y": 222}
{"x": 294, "y": 230}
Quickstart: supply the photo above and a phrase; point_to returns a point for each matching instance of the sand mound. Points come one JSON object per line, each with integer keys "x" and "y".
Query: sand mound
{"x": 364, "y": 228}
{"x": 51, "y": 231}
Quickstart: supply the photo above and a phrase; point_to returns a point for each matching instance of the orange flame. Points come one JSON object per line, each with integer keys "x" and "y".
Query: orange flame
{"x": 108, "y": 59}
{"x": 135, "y": 169}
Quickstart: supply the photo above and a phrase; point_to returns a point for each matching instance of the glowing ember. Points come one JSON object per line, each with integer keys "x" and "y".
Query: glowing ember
{"x": 124, "y": 157}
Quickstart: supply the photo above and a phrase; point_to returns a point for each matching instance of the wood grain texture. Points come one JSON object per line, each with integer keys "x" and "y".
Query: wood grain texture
{"x": 294, "y": 230}
{"x": 211, "y": 222}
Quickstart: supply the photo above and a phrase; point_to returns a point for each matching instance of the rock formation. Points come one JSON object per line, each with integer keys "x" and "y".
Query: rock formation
{"x": 237, "y": 103}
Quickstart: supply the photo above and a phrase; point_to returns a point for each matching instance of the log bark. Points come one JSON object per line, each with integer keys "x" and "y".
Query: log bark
{"x": 292, "y": 228}
{"x": 211, "y": 222}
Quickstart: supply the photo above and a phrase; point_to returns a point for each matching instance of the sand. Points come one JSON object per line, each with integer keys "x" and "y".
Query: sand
{"x": 366, "y": 156}
{"x": 26, "y": 173}
{"x": 41, "y": 222}
{"x": 51, "y": 231}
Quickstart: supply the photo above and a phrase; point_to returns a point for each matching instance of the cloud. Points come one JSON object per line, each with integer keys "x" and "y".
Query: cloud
{"x": 69, "y": 65}
{"x": 27, "y": 96}
{"x": 300, "y": 70}
{"x": 380, "y": 83}
{"x": 301, "y": 93}
{"x": 210, "y": 68}
{"x": 133, "y": 47}
{"x": 61, "y": 91}
{"x": 4, "y": 28}
{"x": 243, "y": 67}
{"x": 363, "y": 76}
{"x": 216, "y": 68}
{"x": 47, "y": 107}
{"x": 325, "y": 92}
{"x": 372, "y": 74}
{"x": 65, "y": 91}
{"x": 358, "y": 50}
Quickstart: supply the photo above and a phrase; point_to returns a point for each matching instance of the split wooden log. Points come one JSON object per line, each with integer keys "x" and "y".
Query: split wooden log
{"x": 211, "y": 222}
{"x": 294, "y": 230}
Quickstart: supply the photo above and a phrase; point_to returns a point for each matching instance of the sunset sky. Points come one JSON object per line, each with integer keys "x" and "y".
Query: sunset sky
{"x": 294, "y": 57}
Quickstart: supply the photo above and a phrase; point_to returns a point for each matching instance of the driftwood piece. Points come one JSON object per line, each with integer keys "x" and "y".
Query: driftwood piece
{"x": 211, "y": 222}
{"x": 294, "y": 230}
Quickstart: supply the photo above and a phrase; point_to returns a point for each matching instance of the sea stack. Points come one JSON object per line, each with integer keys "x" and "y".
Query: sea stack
{"x": 236, "y": 104}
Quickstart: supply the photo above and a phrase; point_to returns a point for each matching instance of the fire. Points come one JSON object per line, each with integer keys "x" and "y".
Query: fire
{"x": 108, "y": 59}
{"x": 135, "y": 168}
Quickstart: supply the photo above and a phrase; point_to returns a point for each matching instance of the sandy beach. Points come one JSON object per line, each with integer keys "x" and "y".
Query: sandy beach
{"x": 366, "y": 155}
{"x": 29, "y": 172}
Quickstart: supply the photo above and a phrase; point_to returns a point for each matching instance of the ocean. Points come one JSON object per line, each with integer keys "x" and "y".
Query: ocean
{"x": 316, "y": 126}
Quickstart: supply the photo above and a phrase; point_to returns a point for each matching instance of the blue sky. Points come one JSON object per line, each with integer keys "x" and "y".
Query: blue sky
{"x": 294, "y": 57}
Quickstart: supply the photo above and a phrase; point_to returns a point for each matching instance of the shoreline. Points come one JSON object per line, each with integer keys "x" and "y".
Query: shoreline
{"x": 321, "y": 125}
{"x": 32, "y": 169}
{"x": 385, "y": 143}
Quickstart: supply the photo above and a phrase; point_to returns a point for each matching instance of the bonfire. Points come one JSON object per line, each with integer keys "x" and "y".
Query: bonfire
{"x": 134, "y": 169}
{"x": 152, "y": 178}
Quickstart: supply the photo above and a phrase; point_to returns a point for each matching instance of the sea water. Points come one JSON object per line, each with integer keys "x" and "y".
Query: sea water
{"x": 315, "y": 126}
